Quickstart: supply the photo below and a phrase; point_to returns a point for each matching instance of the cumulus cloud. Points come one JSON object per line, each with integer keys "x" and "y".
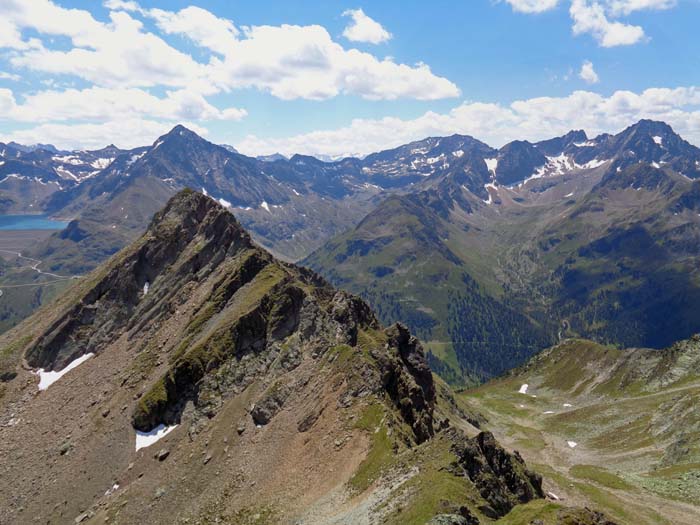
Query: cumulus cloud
{"x": 125, "y": 133}
{"x": 591, "y": 18}
{"x": 97, "y": 103}
{"x": 364, "y": 29}
{"x": 588, "y": 74}
{"x": 288, "y": 61}
{"x": 600, "y": 18}
{"x": 626, "y": 7}
{"x": 531, "y": 119}
{"x": 532, "y": 6}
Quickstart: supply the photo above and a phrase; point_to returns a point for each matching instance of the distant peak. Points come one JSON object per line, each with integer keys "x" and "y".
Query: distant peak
{"x": 651, "y": 126}
{"x": 180, "y": 131}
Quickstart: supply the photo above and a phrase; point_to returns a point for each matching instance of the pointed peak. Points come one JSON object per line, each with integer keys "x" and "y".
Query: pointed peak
{"x": 648, "y": 126}
{"x": 178, "y": 133}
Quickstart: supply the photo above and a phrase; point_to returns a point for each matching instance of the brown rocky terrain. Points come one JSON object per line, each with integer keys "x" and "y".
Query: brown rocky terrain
{"x": 284, "y": 400}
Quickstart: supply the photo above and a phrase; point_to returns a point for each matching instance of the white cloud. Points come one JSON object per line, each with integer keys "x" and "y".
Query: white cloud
{"x": 364, "y": 29}
{"x": 588, "y": 74}
{"x": 9, "y": 76}
{"x": 287, "y": 61}
{"x": 201, "y": 26}
{"x": 125, "y": 133}
{"x": 590, "y": 17}
{"x": 532, "y": 6}
{"x": 532, "y": 119}
{"x": 97, "y": 103}
{"x": 599, "y": 18}
{"x": 292, "y": 61}
{"x": 626, "y": 7}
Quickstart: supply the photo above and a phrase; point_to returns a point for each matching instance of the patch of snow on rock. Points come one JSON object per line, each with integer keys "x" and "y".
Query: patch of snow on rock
{"x": 264, "y": 204}
{"x": 101, "y": 164}
{"x": 146, "y": 439}
{"x": 224, "y": 203}
{"x": 146, "y": 286}
{"x": 572, "y": 444}
{"x": 592, "y": 164}
{"x": 46, "y": 379}
{"x": 492, "y": 165}
{"x": 134, "y": 158}
{"x": 523, "y": 389}
{"x": 658, "y": 140}
{"x": 488, "y": 186}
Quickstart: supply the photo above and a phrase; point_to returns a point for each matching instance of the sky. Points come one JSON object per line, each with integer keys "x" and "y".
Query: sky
{"x": 343, "y": 78}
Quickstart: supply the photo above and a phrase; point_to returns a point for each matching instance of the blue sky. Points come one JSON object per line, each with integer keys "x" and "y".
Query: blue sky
{"x": 342, "y": 78}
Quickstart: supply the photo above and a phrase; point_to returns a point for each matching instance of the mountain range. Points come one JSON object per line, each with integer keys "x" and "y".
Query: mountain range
{"x": 194, "y": 378}
{"x": 489, "y": 255}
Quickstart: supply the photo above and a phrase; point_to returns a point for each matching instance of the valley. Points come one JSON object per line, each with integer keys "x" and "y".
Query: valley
{"x": 616, "y": 429}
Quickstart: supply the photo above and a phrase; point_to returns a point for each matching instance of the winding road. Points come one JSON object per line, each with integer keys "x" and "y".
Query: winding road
{"x": 34, "y": 265}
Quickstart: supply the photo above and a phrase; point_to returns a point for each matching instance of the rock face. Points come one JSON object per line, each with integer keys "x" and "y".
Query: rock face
{"x": 407, "y": 378}
{"x": 115, "y": 300}
{"x": 501, "y": 477}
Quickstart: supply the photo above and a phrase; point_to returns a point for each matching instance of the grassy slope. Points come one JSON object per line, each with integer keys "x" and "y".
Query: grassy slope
{"x": 489, "y": 288}
{"x": 631, "y": 415}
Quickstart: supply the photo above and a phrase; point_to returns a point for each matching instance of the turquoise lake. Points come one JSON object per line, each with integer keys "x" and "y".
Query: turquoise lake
{"x": 30, "y": 222}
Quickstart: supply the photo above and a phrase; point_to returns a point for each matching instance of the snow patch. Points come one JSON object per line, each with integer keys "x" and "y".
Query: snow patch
{"x": 572, "y": 444}
{"x": 492, "y": 165}
{"x": 224, "y": 202}
{"x": 204, "y": 191}
{"x": 488, "y": 186}
{"x": 548, "y": 412}
{"x": 46, "y": 379}
{"x": 146, "y": 439}
{"x": 658, "y": 140}
{"x": 69, "y": 159}
{"x": 146, "y": 286}
{"x": 567, "y": 405}
{"x": 134, "y": 158}
{"x": 591, "y": 164}
{"x": 101, "y": 164}
{"x": 458, "y": 153}
{"x": 523, "y": 389}
{"x": 569, "y": 194}
{"x": 264, "y": 204}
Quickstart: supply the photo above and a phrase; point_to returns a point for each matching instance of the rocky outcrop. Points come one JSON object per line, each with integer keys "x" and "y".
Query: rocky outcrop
{"x": 454, "y": 519}
{"x": 116, "y": 298}
{"x": 501, "y": 478}
{"x": 408, "y": 380}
